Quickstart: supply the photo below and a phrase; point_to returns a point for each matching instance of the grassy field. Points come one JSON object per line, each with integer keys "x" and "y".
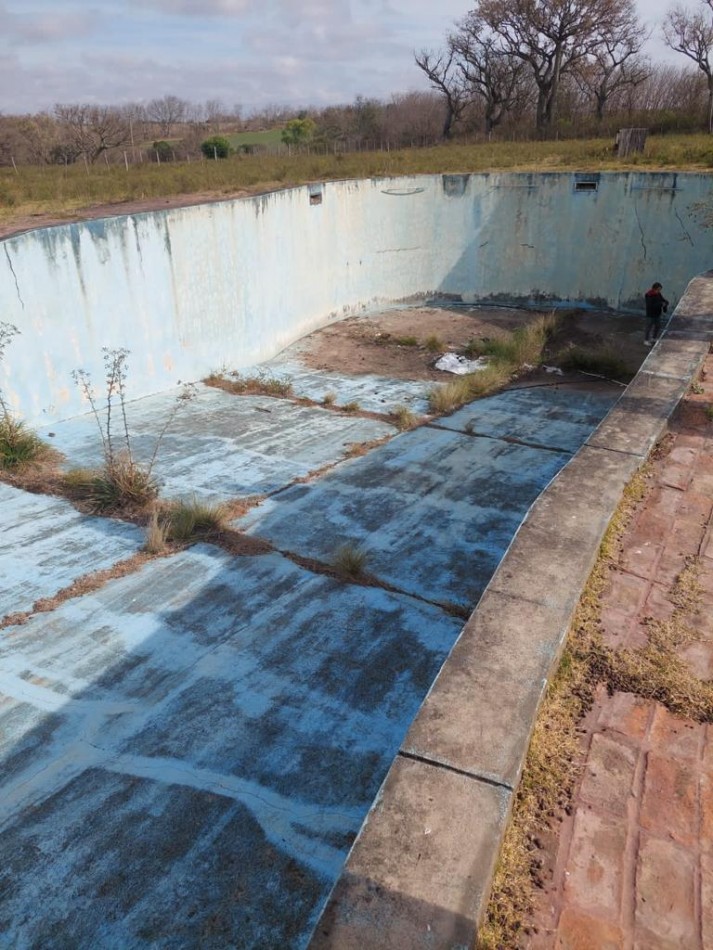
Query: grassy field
{"x": 65, "y": 191}
{"x": 272, "y": 138}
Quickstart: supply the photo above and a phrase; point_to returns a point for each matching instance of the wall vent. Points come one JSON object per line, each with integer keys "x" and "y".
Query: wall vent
{"x": 586, "y": 185}
{"x": 315, "y": 194}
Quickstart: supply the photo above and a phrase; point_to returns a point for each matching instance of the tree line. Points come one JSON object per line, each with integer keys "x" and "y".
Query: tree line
{"x": 509, "y": 69}
{"x": 523, "y": 57}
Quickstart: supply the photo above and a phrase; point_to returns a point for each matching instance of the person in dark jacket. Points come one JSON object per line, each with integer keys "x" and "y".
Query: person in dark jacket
{"x": 656, "y": 304}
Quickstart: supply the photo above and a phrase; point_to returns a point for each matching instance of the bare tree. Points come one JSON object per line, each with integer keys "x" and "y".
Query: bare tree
{"x": 691, "y": 32}
{"x": 445, "y": 75}
{"x": 167, "y": 112}
{"x": 615, "y": 62}
{"x": 92, "y": 130}
{"x": 489, "y": 71}
{"x": 552, "y": 37}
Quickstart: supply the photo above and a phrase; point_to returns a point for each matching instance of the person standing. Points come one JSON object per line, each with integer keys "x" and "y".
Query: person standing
{"x": 656, "y": 304}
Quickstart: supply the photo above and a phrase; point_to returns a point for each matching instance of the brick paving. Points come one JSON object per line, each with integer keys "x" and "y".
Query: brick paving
{"x": 632, "y": 864}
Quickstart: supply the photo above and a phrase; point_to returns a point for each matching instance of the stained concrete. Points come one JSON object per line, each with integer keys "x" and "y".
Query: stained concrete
{"x": 433, "y": 509}
{"x": 477, "y": 719}
{"x": 212, "y": 730}
{"x": 45, "y": 545}
{"x": 220, "y": 446}
{"x": 192, "y": 750}
{"x": 373, "y": 393}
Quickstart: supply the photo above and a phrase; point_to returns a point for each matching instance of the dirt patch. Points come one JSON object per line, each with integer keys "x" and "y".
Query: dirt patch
{"x": 406, "y": 343}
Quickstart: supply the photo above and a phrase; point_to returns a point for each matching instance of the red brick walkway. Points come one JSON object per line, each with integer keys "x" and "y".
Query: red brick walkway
{"x": 634, "y": 860}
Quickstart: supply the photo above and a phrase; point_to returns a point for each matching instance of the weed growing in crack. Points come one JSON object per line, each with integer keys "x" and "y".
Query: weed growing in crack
{"x": 329, "y": 399}
{"x": 189, "y": 520}
{"x": 352, "y": 406}
{"x": 259, "y": 385}
{"x": 349, "y": 560}
{"x": 123, "y": 482}
{"x": 403, "y": 418}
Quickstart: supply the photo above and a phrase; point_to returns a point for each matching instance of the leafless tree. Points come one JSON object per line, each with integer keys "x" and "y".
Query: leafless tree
{"x": 691, "y": 32}
{"x": 167, "y": 112}
{"x": 446, "y": 76}
{"x": 489, "y": 71}
{"x": 552, "y": 37}
{"x": 616, "y": 62}
{"x": 92, "y": 130}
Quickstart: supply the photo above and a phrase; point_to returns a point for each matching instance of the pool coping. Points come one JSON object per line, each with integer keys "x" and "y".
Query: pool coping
{"x": 420, "y": 871}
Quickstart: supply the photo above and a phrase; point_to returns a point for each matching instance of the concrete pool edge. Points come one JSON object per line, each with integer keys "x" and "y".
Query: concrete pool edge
{"x": 420, "y": 871}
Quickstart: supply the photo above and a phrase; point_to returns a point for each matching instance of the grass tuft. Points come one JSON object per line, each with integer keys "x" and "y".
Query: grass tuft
{"x": 329, "y": 399}
{"x": 403, "y": 418}
{"x": 260, "y": 385}
{"x": 352, "y": 406}
{"x": 434, "y": 344}
{"x": 156, "y": 534}
{"x": 124, "y": 486}
{"x": 350, "y": 560}
{"x": 189, "y": 520}
{"x": 20, "y": 446}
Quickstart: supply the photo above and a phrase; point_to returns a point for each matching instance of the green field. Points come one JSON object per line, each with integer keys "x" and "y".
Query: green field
{"x": 65, "y": 191}
{"x": 271, "y": 138}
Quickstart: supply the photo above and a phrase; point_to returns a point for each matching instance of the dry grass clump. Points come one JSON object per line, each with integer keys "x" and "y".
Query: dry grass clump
{"x": 403, "y": 418}
{"x": 329, "y": 399}
{"x": 463, "y": 389}
{"x": 507, "y": 354}
{"x": 259, "y": 385}
{"x": 181, "y": 522}
{"x": 350, "y": 407}
{"x": 124, "y": 486}
{"x": 20, "y": 446}
{"x": 434, "y": 344}
{"x": 349, "y": 560}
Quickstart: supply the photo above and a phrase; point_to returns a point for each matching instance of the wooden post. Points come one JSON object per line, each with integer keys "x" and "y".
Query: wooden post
{"x": 629, "y": 141}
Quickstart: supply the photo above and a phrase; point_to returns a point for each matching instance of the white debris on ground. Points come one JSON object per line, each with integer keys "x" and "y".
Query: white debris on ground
{"x": 452, "y": 363}
{"x": 553, "y": 369}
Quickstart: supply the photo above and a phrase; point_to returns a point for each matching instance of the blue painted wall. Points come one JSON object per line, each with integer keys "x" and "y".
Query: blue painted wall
{"x": 193, "y": 289}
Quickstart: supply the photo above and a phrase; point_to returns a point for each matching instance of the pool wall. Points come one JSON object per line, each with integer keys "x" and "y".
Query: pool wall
{"x": 228, "y": 284}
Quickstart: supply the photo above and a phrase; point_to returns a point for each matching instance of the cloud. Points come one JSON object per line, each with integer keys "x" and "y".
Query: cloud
{"x": 205, "y": 8}
{"x": 48, "y": 27}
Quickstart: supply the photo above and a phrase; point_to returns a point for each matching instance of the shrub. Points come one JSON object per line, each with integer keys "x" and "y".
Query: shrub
{"x": 163, "y": 151}
{"x": 122, "y": 482}
{"x": 217, "y": 146}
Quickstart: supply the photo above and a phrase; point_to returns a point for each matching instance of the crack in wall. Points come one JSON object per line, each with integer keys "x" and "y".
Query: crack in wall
{"x": 683, "y": 227}
{"x": 641, "y": 231}
{"x": 17, "y": 285}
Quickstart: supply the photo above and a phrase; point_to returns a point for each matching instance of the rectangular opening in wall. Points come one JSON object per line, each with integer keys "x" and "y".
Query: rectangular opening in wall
{"x": 315, "y": 194}
{"x": 586, "y": 185}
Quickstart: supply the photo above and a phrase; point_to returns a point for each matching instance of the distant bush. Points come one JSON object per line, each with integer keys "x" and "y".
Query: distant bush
{"x": 217, "y": 146}
{"x": 163, "y": 151}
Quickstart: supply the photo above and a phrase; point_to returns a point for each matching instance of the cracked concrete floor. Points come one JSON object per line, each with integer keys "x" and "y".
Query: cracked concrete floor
{"x": 189, "y": 751}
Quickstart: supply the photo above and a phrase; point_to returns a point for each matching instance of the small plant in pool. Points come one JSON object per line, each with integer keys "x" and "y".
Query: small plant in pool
{"x": 123, "y": 483}
{"x": 349, "y": 560}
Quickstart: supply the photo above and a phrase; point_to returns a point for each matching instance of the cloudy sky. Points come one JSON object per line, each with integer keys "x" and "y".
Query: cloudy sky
{"x": 251, "y": 52}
